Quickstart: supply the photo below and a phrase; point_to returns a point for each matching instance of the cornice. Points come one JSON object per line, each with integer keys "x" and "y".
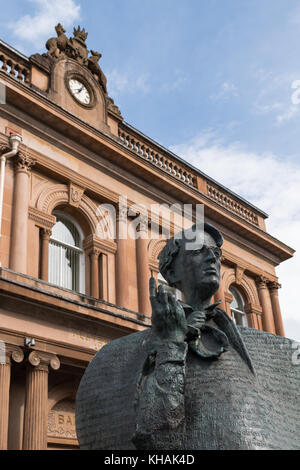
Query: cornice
{"x": 41, "y": 219}
{"x": 93, "y": 242}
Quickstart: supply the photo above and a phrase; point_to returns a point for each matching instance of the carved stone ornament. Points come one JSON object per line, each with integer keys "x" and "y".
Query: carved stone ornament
{"x": 43, "y": 361}
{"x": 24, "y": 162}
{"x": 4, "y": 149}
{"x": 261, "y": 282}
{"x": 61, "y": 420}
{"x": 112, "y": 107}
{"x": 75, "y": 195}
{"x": 75, "y": 48}
{"x": 274, "y": 286}
{"x": 11, "y": 352}
{"x": 239, "y": 275}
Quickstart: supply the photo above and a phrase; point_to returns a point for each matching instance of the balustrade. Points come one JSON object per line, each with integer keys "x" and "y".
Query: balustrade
{"x": 14, "y": 68}
{"x": 158, "y": 159}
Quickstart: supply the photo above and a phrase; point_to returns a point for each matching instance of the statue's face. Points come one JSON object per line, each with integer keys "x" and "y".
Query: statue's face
{"x": 200, "y": 268}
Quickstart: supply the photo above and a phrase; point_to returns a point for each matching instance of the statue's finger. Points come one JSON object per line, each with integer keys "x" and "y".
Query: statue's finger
{"x": 152, "y": 288}
{"x": 162, "y": 295}
{"x": 172, "y": 301}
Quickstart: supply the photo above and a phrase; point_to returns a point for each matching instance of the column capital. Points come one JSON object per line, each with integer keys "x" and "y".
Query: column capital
{"x": 274, "y": 287}
{"x": 143, "y": 224}
{"x": 24, "y": 162}
{"x": 13, "y": 353}
{"x": 94, "y": 252}
{"x": 252, "y": 309}
{"x": 42, "y": 361}
{"x": 261, "y": 282}
{"x": 122, "y": 213}
{"x": 46, "y": 233}
{"x": 4, "y": 149}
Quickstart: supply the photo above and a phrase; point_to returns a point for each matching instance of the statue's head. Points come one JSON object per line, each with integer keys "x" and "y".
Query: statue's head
{"x": 189, "y": 264}
{"x": 60, "y": 29}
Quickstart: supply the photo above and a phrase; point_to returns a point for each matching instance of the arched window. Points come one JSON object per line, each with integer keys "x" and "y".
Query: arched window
{"x": 237, "y": 308}
{"x": 66, "y": 257}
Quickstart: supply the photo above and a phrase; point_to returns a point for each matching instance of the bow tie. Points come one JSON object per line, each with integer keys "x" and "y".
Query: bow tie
{"x": 206, "y": 341}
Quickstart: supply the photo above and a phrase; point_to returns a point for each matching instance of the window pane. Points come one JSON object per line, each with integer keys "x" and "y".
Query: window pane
{"x": 238, "y": 318}
{"x": 65, "y": 232}
{"x": 237, "y": 307}
{"x": 238, "y": 302}
{"x": 64, "y": 261}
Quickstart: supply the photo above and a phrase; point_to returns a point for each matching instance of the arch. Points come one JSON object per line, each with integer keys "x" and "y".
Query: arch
{"x": 154, "y": 248}
{"x": 246, "y": 288}
{"x": 58, "y": 194}
{"x": 62, "y": 392}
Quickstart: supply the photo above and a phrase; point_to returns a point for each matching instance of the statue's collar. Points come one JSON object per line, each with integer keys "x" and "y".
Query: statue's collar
{"x": 226, "y": 332}
{"x": 210, "y": 310}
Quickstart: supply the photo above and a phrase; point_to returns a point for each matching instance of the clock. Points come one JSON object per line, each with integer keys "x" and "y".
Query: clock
{"x": 80, "y": 91}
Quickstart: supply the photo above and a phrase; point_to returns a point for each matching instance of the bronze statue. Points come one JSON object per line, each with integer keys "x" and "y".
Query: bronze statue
{"x": 195, "y": 381}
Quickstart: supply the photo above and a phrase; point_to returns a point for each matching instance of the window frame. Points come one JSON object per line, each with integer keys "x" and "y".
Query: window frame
{"x": 237, "y": 296}
{"x": 80, "y": 267}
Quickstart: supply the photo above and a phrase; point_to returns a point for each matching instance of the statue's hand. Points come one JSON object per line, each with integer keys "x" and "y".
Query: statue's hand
{"x": 168, "y": 317}
{"x": 196, "y": 319}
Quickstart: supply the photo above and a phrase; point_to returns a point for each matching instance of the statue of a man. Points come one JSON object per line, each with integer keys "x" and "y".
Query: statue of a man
{"x": 195, "y": 380}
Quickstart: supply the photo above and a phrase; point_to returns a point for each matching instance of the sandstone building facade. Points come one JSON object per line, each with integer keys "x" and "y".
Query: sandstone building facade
{"x": 65, "y": 288}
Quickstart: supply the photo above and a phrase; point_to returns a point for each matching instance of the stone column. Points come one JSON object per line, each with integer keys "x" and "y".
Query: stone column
{"x": 94, "y": 264}
{"x": 46, "y": 234}
{"x": 265, "y": 301}
{"x": 36, "y": 404}
{"x": 252, "y": 316}
{"x": 18, "y": 251}
{"x": 220, "y": 294}
{"x": 122, "y": 259}
{"x": 8, "y": 354}
{"x": 228, "y": 301}
{"x": 274, "y": 286}
{"x": 103, "y": 288}
{"x": 142, "y": 266}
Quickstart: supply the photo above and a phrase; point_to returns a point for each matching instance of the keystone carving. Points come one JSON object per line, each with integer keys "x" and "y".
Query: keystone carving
{"x": 75, "y": 195}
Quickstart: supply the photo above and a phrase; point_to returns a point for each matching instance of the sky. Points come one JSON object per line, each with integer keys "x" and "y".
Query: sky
{"x": 216, "y": 82}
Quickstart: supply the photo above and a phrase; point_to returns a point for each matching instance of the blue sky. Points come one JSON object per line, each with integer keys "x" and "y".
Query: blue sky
{"x": 210, "y": 80}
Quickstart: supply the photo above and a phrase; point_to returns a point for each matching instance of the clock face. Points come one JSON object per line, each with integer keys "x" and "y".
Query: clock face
{"x": 79, "y": 91}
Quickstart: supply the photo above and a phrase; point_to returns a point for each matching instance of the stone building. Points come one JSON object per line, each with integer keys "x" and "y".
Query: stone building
{"x": 66, "y": 288}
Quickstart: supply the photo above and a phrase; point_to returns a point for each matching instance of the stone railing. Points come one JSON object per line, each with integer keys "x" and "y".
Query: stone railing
{"x": 231, "y": 204}
{"x": 157, "y": 157}
{"x": 14, "y": 65}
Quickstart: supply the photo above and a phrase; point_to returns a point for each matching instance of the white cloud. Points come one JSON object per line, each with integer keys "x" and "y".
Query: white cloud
{"x": 38, "y": 26}
{"x": 288, "y": 114}
{"x": 278, "y": 95}
{"x": 122, "y": 82}
{"x": 270, "y": 183}
{"x": 179, "y": 82}
{"x": 227, "y": 90}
